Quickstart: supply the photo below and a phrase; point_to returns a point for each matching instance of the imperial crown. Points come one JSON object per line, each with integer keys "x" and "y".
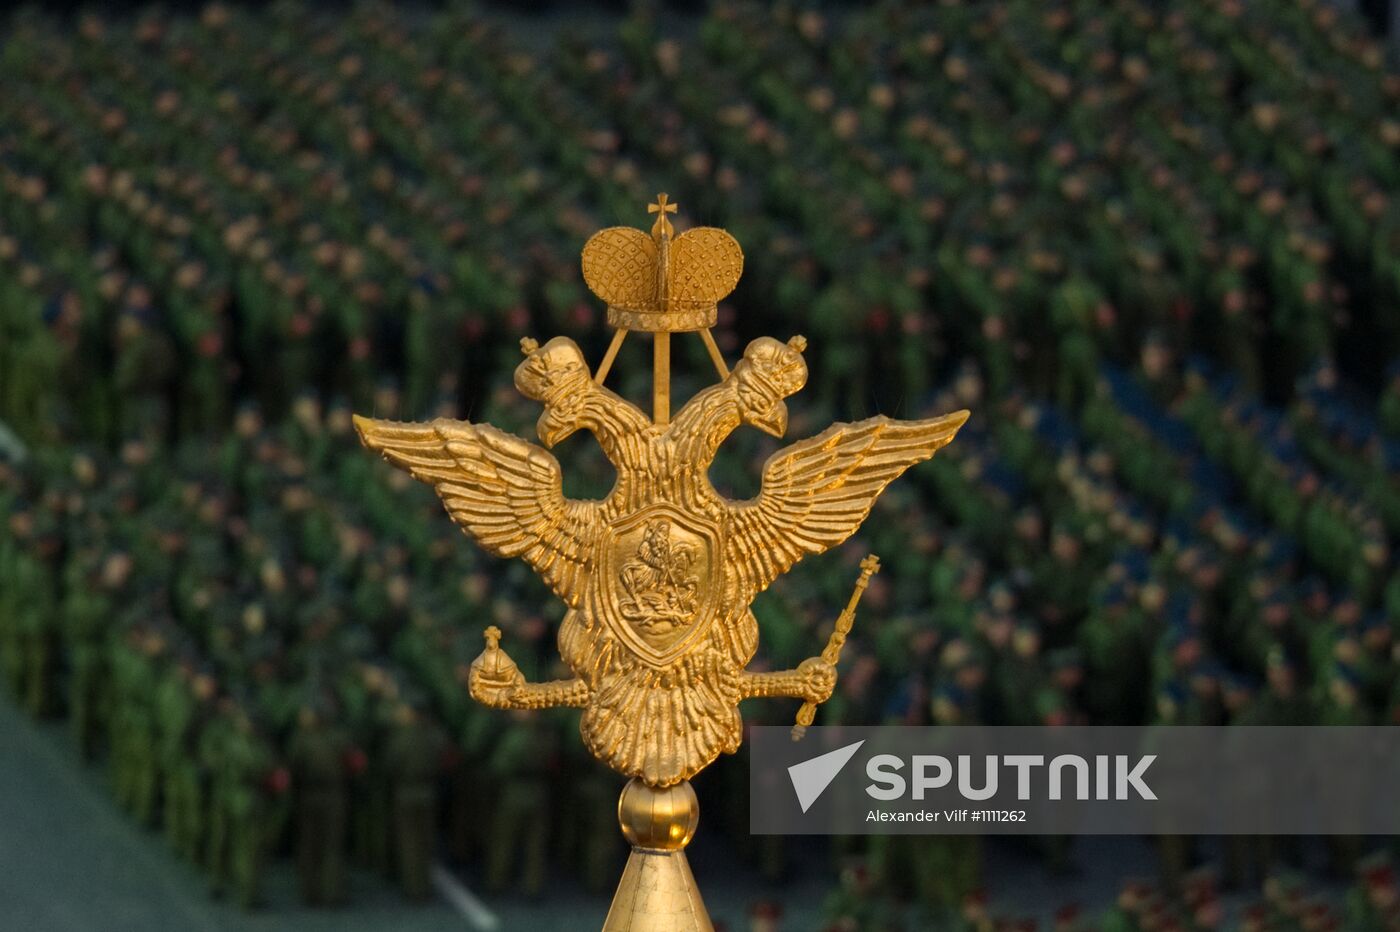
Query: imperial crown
{"x": 662, "y": 282}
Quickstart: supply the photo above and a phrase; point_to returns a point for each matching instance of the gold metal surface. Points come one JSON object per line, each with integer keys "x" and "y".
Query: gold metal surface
{"x": 658, "y": 576}
{"x": 661, "y": 379}
{"x": 716, "y": 356}
{"x": 605, "y": 366}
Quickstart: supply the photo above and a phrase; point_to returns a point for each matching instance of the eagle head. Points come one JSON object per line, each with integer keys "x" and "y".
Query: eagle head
{"x": 557, "y": 376}
{"x": 768, "y": 373}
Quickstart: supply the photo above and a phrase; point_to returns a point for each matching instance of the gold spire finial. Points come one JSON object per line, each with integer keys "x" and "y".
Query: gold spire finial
{"x": 528, "y": 345}
{"x": 658, "y": 576}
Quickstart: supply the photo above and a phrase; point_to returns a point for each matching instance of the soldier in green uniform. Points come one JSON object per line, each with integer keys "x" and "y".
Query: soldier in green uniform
{"x": 1280, "y": 701}
{"x": 144, "y": 365}
{"x": 321, "y": 756}
{"x": 15, "y": 569}
{"x": 249, "y": 791}
{"x": 1019, "y": 676}
{"x": 1340, "y": 704}
{"x": 413, "y": 753}
{"x": 24, "y": 587}
{"x": 1174, "y": 851}
{"x": 1074, "y": 307}
{"x": 30, "y": 357}
{"x": 364, "y": 696}
{"x": 88, "y": 613}
{"x": 1373, "y": 902}
{"x": 520, "y": 765}
{"x": 1115, "y": 662}
{"x": 600, "y": 849}
{"x": 855, "y": 903}
{"x": 1388, "y": 410}
{"x": 948, "y": 868}
{"x": 468, "y": 806}
{"x": 1127, "y": 909}
{"x": 199, "y": 319}
{"x": 136, "y": 661}
{"x": 177, "y": 703}
{"x": 36, "y": 616}
{"x": 213, "y": 738}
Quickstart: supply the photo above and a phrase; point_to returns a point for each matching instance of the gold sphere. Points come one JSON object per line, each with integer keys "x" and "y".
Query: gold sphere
{"x": 658, "y": 818}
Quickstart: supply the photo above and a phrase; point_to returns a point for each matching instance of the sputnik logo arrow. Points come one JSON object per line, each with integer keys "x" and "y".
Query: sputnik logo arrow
{"x": 811, "y": 777}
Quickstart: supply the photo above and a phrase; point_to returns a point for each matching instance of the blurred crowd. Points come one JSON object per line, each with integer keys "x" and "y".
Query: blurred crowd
{"x": 1154, "y": 248}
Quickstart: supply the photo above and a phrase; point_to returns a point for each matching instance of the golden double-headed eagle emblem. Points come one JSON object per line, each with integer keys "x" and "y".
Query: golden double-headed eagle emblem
{"x": 659, "y": 575}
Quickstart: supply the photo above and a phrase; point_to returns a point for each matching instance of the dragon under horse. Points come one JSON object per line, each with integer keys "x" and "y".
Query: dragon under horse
{"x": 658, "y": 576}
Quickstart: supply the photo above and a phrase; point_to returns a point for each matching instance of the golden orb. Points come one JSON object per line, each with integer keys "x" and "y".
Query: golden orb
{"x": 658, "y": 818}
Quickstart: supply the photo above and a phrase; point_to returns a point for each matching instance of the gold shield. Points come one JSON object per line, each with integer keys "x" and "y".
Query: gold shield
{"x": 660, "y": 581}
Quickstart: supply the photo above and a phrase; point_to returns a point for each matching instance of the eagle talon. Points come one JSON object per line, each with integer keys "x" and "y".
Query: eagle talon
{"x": 494, "y": 678}
{"x": 818, "y": 679}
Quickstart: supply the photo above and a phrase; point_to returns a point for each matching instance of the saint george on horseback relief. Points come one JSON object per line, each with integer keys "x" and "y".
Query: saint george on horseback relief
{"x": 660, "y": 590}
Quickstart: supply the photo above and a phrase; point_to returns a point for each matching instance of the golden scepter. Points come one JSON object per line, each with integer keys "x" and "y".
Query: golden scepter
{"x": 868, "y": 567}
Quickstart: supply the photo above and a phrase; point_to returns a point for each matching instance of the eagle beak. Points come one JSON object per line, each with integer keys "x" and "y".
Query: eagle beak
{"x": 551, "y": 429}
{"x": 773, "y": 421}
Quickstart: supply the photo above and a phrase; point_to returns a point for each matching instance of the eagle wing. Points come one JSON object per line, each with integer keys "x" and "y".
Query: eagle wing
{"x": 816, "y": 492}
{"x": 505, "y": 492}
